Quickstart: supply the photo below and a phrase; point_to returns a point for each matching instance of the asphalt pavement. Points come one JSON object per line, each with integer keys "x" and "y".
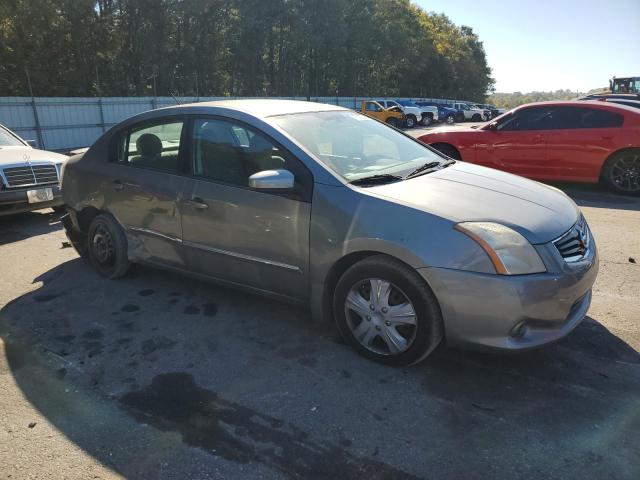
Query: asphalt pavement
{"x": 162, "y": 377}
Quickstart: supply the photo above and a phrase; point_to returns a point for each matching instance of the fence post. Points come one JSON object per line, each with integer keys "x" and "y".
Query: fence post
{"x": 102, "y": 124}
{"x": 37, "y": 121}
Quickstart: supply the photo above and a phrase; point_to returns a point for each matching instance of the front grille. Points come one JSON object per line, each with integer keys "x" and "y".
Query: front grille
{"x": 574, "y": 245}
{"x": 30, "y": 175}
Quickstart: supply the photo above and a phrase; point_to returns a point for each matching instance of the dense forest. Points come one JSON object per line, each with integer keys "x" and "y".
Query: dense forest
{"x": 237, "y": 48}
{"x": 511, "y": 100}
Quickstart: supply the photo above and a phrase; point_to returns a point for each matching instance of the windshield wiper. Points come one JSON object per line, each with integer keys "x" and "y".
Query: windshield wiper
{"x": 423, "y": 168}
{"x": 376, "y": 179}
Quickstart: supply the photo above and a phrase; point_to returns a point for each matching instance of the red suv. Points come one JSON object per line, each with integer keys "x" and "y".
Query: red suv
{"x": 573, "y": 141}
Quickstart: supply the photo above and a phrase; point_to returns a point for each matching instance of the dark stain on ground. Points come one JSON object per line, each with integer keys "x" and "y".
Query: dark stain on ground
{"x": 345, "y": 374}
{"x": 210, "y": 309}
{"x": 308, "y": 361}
{"x": 150, "y": 345}
{"x": 173, "y": 402}
{"x": 94, "y": 334}
{"x": 146, "y": 293}
{"x": 173, "y": 301}
{"x": 191, "y": 310}
{"x": 66, "y": 338}
{"x": 124, "y": 340}
{"x": 129, "y": 307}
{"x": 47, "y": 298}
{"x": 127, "y": 326}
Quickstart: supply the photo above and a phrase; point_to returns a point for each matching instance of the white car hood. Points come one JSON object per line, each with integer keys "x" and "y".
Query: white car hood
{"x": 13, "y": 155}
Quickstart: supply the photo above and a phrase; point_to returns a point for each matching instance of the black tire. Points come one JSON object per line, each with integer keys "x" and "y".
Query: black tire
{"x": 449, "y": 150}
{"x": 460, "y": 117}
{"x": 450, "y": 119}
{"x": 411, "y": 121}
{"x": 427, "y": 332}
{"x": 476, "y": 117}
{"x": 393, "y": 122}
{"x": 426, "y": 120}
{"x": 621, "y": 172}
{"x": 107, "y": 245}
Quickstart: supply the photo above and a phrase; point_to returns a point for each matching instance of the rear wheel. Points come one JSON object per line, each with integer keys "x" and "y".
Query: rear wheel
{"x": 426, "y": 120}
{"x": 411, "y": 121}
{"x": 393, "y": 122}
{"x": 449, "y": 150}
{"x": 476, "y": 117}
{"x": 107, "y": 245}
{"x": 451, "y": 119}
{"x": 621, "y": 173}
{"x": 386, "y": 311}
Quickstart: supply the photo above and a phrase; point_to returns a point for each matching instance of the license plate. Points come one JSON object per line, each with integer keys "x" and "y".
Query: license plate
{"x": 40, "y": 195}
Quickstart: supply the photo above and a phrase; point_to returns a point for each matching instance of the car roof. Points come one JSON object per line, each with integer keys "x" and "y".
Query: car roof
{"x": 582, "y": 103}
{"x": 265, "y": 107}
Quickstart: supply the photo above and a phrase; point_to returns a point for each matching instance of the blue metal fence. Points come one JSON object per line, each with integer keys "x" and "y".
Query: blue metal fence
{"x": 58, "y": 123}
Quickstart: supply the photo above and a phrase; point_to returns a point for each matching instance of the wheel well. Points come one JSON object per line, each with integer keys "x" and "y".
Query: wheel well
{"x": 436, "y": 145}
{"x": 604, "y": 164}
{"x": 85, "y": 216}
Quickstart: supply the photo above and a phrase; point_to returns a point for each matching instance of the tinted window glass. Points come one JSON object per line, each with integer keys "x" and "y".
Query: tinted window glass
{"x": 152, "y": 146}
{"x": 534, "y": 118}
{"x": 577, "y": 117}
{"x": 231, "y": 153}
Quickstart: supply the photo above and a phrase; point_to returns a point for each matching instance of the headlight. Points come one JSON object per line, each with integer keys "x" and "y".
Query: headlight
{"x": 509, "y": 252}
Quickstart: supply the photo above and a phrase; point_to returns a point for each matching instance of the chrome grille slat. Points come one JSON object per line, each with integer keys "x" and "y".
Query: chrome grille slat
{"x": 573, "y": 246}
{"x": 30, "y": 175}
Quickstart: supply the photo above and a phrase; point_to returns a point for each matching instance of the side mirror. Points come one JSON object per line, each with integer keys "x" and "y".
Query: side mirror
{"x": 492, "y": 126}
{"x": 272, "y": 179}
{"x": 32, "y": 143}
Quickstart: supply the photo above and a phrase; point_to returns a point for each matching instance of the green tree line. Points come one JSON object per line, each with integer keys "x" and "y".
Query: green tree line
{"x": 512, "y": 100}
{"x": 237, "y": 48}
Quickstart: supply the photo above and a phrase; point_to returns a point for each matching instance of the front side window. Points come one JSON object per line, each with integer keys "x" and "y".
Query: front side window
{"x": 355, "y": 146}
{"x": 154, "y": 146}
{"x": 372, "y": 107}
{"x": 534, "y": 118}
{"x": 9, "y": 140}
{"x": 230, "y": 153}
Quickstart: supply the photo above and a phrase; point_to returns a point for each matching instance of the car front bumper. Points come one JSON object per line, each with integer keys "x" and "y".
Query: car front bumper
{"x": 15, "y": 200}
{"x": 512, "y": 312}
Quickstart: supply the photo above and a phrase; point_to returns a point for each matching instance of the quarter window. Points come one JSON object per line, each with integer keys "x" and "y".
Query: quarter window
{"x": 231, "y": 153}
{"x": 579, "y": 117}
{"x": 152, "y": 146}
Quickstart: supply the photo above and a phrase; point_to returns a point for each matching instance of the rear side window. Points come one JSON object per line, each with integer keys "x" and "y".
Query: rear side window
{"x": 579, "y": 118}
{"x": 154, "y": 146}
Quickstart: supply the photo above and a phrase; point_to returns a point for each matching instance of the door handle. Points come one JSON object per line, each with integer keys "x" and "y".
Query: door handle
{"x": 197, "y": 203}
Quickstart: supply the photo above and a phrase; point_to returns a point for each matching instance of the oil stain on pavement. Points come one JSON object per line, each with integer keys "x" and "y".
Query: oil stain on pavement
{"x": 173, "y": 402}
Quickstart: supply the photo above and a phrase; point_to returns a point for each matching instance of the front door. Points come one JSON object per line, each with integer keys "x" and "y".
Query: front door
{"x": 519, "y": 143}
{"x": 232, "y": 232}
{"x": 146, "y": 180}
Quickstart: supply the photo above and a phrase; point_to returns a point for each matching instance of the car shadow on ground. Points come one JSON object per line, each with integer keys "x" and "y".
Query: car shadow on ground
{"x": 598, "y": 196}
{"x": 14, "y": 228}
{"x": 252, "y": 382}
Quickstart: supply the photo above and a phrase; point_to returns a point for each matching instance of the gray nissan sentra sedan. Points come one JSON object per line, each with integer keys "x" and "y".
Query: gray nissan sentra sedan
{"x": 399, "y": 245}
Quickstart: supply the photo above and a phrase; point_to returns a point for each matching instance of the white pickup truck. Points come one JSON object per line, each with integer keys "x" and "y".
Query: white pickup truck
{"x": 471, "y": 113}
{"x": 414, "y": 113}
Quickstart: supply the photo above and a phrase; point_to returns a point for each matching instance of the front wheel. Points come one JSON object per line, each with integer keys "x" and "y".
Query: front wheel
{"x": 393, "y": 122}
{"x": 386, "y": 311}
{"x": 411, "y": 121}
{"x": 451, "y": 119}
{"x": 621, "y": 173}
{"x": 426, "y": 120}
{"x": 107, "y": 245}
{"x": 476, "y": 117}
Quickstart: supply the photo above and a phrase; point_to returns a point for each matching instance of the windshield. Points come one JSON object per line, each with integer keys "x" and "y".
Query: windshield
{"x": 8, "y": 140}
{"x": 407, "y": 103}
{"x": 355, "y": 146}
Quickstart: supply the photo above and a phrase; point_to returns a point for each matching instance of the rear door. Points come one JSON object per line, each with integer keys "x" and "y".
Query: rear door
{"x": 146, "y": 179}
{"x": 581, "y": 140}
{"x": 232, "y": 232}
{"x": 518, "y": 144}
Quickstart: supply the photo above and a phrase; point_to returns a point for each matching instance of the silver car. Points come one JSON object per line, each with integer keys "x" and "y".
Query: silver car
{"x": 399, "y": 245}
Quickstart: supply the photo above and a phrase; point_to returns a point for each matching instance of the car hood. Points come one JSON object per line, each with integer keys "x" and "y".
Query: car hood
{"x": 11, "y": 155}
{"x": 466, "y": 192}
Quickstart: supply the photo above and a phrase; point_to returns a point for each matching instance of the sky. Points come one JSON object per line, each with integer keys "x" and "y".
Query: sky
{"x": 549, "y": 45}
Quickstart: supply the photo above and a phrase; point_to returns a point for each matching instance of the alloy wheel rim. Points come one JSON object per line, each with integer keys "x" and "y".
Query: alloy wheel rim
{"x": 103, "y": 245}
{"x": 381, "y": 317}
{"x": 625, "y": 173}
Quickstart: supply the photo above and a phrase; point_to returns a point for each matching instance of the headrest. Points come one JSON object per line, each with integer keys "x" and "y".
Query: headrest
{"x": 149, "y": 144}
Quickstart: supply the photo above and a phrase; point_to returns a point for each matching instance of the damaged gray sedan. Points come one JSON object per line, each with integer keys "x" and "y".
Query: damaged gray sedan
{"x": 399, "y": 245}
